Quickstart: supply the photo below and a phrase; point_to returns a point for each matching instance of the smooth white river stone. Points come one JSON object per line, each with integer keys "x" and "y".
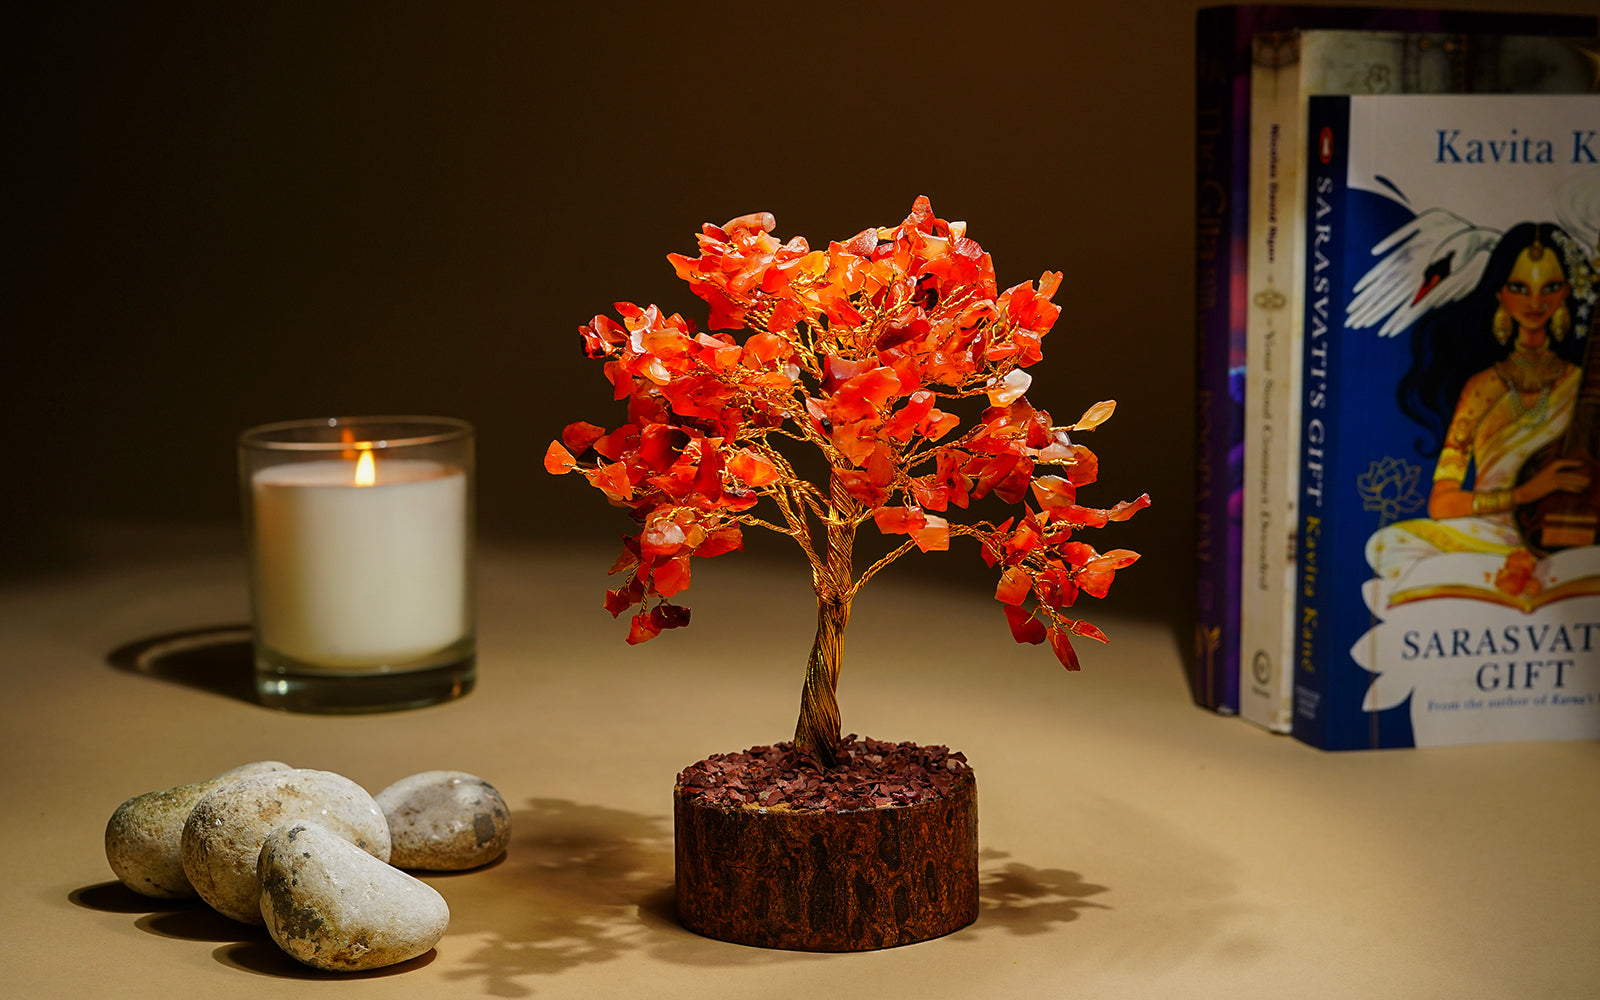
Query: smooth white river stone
{"x": 223, "y": 835}
{"x": 444, "y": 821}
{"x": 144, "y": 836}
{"x": 333, "y": 906}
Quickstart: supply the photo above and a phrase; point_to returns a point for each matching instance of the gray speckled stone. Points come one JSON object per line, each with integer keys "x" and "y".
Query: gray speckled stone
{"x": 144, "y": 835}
{"x": 444, "y": 821}
{"x": 222, "y": 837}
{"x": 333, "y": 906}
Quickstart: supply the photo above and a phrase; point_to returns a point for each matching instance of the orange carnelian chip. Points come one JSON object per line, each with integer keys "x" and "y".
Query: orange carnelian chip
{"x": 1024, "y": 626}
{"x": 752, "y": 468}
{"x": 579, "y": 436}
{"x": 1061, "y": 645}
{"x": 613, "y": 481}
{"x": 860, "y": 488}
{"x": 928, "y": 494}
{"x": 934, "y": 536}
{"x": 1015, "y": 584}
{"x": 672, "y": 576}
{"x": 557, "y": 460}
{"x": 898, "y": 520}
{"x": 727, "y": 538}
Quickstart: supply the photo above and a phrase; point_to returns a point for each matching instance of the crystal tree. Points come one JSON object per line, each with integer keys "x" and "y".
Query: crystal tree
{"x": 851, "y": 351}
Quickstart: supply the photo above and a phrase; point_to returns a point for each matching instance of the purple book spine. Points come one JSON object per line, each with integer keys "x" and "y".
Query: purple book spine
{"x": 1219, "y": 355}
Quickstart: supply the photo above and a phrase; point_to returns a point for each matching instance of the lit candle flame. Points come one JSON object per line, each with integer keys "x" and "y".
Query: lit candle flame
{"x": 366, "y": 469}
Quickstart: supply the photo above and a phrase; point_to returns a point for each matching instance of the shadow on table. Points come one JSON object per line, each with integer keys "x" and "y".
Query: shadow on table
{"x": 216, "y": 658}
{"x": 179, "y": 919}
{"x": 585, "y": 885}
{"x": 580, "y": 885}
{"x": 243, "y": 946}
{"x": 1021, "y": 899}
{"x": 263, "y": 958}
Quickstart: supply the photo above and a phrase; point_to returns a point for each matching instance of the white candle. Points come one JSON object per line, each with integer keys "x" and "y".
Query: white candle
{"x": 360, "y": 577}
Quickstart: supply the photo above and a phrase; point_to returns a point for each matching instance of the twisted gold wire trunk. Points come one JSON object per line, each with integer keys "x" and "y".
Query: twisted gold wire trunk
{"x": 818, "y": 728}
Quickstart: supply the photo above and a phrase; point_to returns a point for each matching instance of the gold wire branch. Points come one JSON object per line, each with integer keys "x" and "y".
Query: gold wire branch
{"x": 978, "y": 530}
{"x": 871, "y": 571}
{"x": 757, "y": 522}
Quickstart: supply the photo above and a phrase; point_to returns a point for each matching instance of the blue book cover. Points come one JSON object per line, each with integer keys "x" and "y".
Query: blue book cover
{"x": 1223, "y": 37}
{"x": 1449, "y": 576}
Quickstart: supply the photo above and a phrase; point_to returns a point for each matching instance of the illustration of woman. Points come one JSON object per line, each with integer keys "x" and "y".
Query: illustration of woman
{"x": 1494, "y": 378}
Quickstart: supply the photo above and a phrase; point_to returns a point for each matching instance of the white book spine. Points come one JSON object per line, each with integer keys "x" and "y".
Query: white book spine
{"x": 1272, "y": 360}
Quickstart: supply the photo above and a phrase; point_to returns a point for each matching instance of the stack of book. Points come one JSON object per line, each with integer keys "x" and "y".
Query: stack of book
{"x": 1397, "y": 266}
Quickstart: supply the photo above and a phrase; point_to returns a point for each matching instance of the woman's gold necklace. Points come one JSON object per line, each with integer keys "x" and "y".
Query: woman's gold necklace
{"x": 1525, "y": 371}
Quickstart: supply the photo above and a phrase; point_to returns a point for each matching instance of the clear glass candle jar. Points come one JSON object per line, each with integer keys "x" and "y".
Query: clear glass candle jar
{"x": 360, "y": 537}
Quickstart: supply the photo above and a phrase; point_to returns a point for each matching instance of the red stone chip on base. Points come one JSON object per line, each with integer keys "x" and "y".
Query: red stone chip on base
{"x": 881, "y": 852}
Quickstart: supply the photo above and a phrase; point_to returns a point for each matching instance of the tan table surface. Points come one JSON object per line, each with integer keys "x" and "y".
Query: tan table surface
{"x": 1133, "y": 845}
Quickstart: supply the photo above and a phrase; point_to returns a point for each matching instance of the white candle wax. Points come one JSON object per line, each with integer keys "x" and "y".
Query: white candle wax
{"x": 355, "y": 577}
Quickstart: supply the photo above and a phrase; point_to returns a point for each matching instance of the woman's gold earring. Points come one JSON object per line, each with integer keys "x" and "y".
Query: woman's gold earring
{"x": 1560, "y": 323}
{"x": 1502, "y": 326}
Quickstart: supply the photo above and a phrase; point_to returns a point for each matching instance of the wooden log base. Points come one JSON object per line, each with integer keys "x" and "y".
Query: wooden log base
{"x": 825, "y": 880}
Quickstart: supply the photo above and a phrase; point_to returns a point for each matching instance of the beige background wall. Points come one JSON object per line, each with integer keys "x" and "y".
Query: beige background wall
{"x": 229, "y": 214}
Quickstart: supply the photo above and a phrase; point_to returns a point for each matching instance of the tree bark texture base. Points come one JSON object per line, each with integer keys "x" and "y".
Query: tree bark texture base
{"x": 823, "y": 880}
